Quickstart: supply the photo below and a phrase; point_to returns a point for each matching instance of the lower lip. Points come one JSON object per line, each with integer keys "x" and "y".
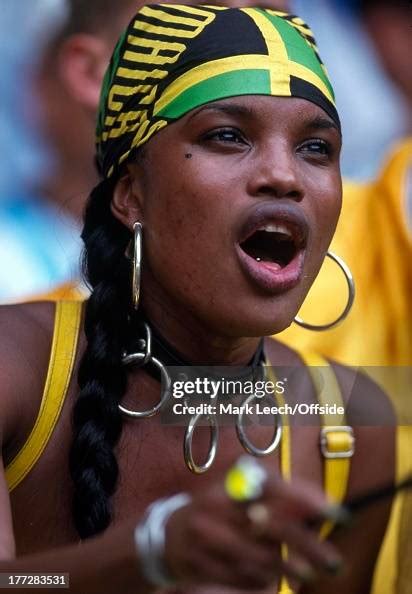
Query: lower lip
{"x": 270, "y": 277}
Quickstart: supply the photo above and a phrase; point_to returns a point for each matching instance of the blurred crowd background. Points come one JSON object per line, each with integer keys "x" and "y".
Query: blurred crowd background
{"x": 53, "y": 56}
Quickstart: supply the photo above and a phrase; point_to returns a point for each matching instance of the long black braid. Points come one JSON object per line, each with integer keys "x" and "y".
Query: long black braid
{"x": 97, "y": 421}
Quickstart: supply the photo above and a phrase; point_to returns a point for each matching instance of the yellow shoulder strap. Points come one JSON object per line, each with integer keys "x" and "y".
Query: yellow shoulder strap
{"x": 286, "y": 472}
{"x": 285, "y": 469}
{"x": 337, "y": 440}
{"x": 63, "y": 352}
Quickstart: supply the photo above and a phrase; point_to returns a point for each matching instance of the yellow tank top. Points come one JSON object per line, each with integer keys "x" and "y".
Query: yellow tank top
{"x": 337, "y": 441}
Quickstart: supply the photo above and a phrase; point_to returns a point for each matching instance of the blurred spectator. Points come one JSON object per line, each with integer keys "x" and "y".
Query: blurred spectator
{"x": 68, "y": 87}
{"x": 24, "y": 221}
{"x": 58, "y": 59}
{"x": 372, "y": 110}
{"x": 389, "y": 25}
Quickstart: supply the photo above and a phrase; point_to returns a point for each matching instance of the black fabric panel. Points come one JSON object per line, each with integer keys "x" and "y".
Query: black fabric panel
{"x": 304, "y": 90}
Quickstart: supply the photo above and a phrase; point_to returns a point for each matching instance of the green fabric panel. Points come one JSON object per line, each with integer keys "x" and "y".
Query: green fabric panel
{"x": 297, "y": 48}
{"x": 221, "y": 86}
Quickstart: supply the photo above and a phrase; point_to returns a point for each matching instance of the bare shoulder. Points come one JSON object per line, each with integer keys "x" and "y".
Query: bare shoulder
{"x": 366, "y": 402}
{"x": 369, "y": 411}
{"x": 25, "y": 340}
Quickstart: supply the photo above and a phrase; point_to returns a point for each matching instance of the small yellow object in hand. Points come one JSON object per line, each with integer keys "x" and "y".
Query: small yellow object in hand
{"x": 245, "y": 480}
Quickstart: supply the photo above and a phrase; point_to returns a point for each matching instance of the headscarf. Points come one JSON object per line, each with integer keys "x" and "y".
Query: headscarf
{"x": 174, "y": 58}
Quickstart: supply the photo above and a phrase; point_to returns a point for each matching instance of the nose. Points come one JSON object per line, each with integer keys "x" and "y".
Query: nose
{"x": 275, "y": 173}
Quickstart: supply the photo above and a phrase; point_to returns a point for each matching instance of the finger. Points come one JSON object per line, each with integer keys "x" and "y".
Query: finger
{"x": 298, "y": 571}
{"x": 322, "y": 555}
{"x": 299, "y": 500}
{"x": 203, "y": 568}
{"x": 235, "y": 548}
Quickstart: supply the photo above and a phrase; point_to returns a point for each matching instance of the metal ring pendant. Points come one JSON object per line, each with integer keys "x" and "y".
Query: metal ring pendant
{"x": 140, "y": 358}
{"x": 214, "y": 438}
{"x": 245, "y": 441}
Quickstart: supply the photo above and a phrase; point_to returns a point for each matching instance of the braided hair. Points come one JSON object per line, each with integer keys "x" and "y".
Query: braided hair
{"x": 97, "y": 422}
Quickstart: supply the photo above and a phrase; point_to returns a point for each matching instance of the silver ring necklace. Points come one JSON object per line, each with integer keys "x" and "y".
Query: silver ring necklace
{"x": 156, "y": 365}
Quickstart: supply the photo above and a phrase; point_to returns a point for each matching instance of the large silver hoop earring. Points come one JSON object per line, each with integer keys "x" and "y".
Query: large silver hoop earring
{"x": 351, "y": 296}
{"x": 137, "y": 263}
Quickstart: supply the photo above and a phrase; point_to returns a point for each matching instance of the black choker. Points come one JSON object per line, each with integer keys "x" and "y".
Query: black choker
{"x": 169, "y": 356}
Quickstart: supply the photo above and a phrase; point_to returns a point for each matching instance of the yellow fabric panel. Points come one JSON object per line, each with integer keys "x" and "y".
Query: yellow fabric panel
{"x": 279, "y": 75}
{"x": 404, "y": 578}
{"x": 141, "y": 74}
{"x": 285, "y": 589}
{"x": 169, "y": 18}
{"x": 191, "y": 10}
{"x": 156, "y": 44}
{"x": 285, "y": 468}
{"x": 301, "y": 71}
{"x": 213, "y": 68}
{"x": 63, "y": 351}
{"x": 336, "y": 470}
{"x": 393, "y": 573}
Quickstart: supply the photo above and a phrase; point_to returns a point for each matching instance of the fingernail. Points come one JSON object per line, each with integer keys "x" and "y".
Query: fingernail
{"x": 306, "y": 574}
{"x": 334, "y": 566}
{"x": 337, "y": 514}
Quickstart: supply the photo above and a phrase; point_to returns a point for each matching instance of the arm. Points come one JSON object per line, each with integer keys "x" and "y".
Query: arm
{"x": 108, "y": 560}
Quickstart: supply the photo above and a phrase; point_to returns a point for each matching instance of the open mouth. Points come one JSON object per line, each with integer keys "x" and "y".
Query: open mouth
{"x": 271, "y": 246}
{"x": 274, "y": 243}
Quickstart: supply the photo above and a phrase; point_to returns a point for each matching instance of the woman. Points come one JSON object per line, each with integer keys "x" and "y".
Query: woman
{"x": 218, "y": 136}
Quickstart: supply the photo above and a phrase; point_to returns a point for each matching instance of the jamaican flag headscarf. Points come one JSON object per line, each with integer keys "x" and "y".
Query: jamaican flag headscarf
{"x": 174, "y": 58}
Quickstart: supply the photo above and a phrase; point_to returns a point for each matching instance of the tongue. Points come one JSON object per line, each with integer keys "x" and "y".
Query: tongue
{"x": 273, "y": 266}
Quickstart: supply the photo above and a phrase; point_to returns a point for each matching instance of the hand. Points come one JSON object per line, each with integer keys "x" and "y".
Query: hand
{"x": 213, "y": 540}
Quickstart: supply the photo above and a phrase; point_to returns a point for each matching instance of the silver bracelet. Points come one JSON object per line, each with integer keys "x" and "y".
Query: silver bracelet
{"x": 150, "y": 539}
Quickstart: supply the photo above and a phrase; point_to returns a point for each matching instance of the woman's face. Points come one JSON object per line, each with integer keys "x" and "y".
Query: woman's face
{"x": 239, "y": 200}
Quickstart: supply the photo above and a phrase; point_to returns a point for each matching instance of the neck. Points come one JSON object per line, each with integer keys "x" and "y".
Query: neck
{"x": 194, "y": 342}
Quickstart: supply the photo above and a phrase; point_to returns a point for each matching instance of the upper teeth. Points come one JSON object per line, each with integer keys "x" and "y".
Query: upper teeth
{"x": 275, "y": 228}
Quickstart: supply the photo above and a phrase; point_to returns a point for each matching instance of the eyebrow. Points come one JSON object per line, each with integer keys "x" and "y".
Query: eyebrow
{"x": 230, "y": 109}
{"x": 322, "y": 123}
{"x": 316, "y": 123}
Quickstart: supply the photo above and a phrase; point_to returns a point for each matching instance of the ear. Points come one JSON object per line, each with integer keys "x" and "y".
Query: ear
{"x": 82, "y": 63}
{"x": 127, "y": 203}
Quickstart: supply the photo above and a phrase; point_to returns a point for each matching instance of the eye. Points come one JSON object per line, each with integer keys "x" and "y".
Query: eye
{"x": 316, "y": 146}
{"x": 227, "y": 135}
